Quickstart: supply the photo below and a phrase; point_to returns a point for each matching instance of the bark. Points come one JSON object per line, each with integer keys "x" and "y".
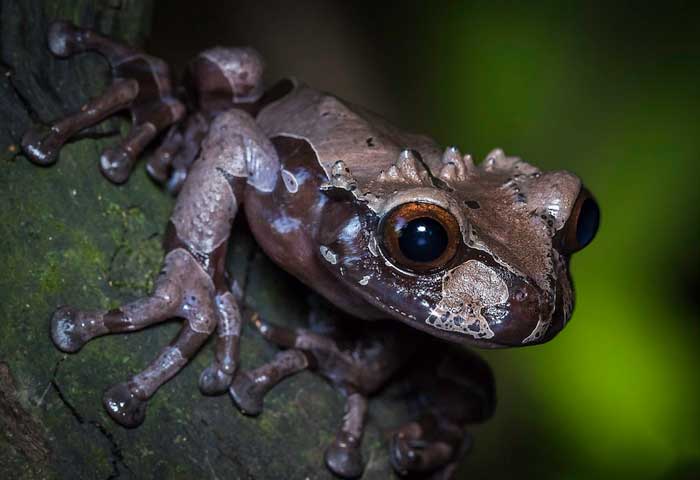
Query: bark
{"x": 67, "y": 236}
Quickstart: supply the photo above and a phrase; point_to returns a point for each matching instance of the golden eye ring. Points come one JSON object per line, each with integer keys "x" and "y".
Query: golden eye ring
{"x": 419, "y": 236}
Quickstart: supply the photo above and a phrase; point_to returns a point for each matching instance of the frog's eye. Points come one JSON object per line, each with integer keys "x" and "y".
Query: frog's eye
{"x": 420, "y": 236}
{"x": 583, "y": 222}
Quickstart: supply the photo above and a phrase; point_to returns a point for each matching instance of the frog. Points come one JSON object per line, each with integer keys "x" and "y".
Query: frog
{"x": 423, "y": 253}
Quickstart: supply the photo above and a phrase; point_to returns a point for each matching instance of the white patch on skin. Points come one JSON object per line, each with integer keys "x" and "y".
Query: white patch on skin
{"x": 290, "y": 181}
{"x": 567, "y": 301}
{"x": 329, "y": 255}
{"x": 340, "y": 177}
{"x": 232, "y": 62}
{"x": 480, "y": 245}
{"x": 540, "y": 329}
{"x": 169, "y": 360}
{"x": 566, "y": 292}
{"x": 467, "y": 289}
{"x": 63, "y": 330}
{"x": 364, "y": 280}
{"x": 372, "y": 245}
{"x": 286, "y": 224}
{"x": 36, "y": 152}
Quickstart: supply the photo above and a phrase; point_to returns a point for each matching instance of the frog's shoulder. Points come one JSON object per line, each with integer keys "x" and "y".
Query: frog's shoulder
{"x": 344, "y": 134}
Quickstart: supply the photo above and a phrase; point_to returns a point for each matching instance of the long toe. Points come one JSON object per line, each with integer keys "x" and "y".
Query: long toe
{"x": 38, "y": 146}
{"x": 344, "y": 460}
{"x": 123, "y": 406}
{"x": 115, "y": 164}
{"x": 61, "y": 38}
{"x": 66, "y": 331}
{"x": 245, "y": 395}
{"x": 402, "y": 455}
{"x": 213, "y": 381}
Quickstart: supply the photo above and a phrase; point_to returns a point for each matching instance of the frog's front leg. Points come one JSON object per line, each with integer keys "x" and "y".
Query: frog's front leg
{"x": 192, "y": 284}
{"x": 142, "y": 85}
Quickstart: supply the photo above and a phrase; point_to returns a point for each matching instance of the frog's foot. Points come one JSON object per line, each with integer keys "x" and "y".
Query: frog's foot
{"x": 344, "y": 455}
{"x": 141, "y": 85}
{"x": 172, "y": 160}
{"x": 124, "y": 406}
{"x": 183, "y": 290}
{"x": 249, "y": 387}
{"x": 424, "y": 447}
{"x": 68, "y": 328}
{"x": 214, "y": 380}
{"x": 42, "y": 144}
{"x": 217, "y": 378}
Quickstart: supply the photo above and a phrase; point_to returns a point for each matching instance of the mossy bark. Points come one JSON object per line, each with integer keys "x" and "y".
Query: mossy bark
{"x": 67, "y": 236}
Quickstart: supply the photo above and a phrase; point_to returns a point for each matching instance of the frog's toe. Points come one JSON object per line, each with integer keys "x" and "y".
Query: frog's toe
{"x": 124, "y": 406}
{"x": 115, "y": 164}
{"x": 410, "y": 453}
{"x": 245, "y": 395}
{"x": 41, "y": 145}
{"x": 213, "y": 381}
{"x": 61, "y": 38}
{"x": 344, "y": 459}
{"x": 403, "y": 457}
{"x": 66, "y": 329}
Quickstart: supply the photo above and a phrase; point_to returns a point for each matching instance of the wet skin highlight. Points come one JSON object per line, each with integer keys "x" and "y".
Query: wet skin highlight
{"x": 423, "y": 246}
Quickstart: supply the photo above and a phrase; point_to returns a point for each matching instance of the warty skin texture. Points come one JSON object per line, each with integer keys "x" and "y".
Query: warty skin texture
{"x": 318, "y": 180}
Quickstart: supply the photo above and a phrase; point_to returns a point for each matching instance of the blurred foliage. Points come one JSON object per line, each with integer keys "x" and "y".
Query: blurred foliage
{"x": 612, "y": 94}
{"x": 610, "y": 91}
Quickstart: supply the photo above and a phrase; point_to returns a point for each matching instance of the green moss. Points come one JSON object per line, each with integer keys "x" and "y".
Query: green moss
{"x": 70, "y": 237}
{"x": 138, "y": 253}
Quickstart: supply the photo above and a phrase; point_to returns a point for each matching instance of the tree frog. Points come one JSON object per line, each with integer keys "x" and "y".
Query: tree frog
{"x": 418, "y": 247}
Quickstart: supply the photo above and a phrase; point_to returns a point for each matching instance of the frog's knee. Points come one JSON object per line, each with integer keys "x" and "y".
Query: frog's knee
{"x": 221, "y": 75}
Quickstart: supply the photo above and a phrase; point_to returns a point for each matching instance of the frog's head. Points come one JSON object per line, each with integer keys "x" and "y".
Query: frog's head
{"x": 474, "y": 254}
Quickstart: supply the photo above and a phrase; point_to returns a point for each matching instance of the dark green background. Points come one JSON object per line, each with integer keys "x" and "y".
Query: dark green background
{"x": 611, "y": 92}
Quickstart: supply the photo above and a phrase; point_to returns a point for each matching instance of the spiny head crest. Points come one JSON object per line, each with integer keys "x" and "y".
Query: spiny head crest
{"x": 408, "y": 169}
{"x": 497, "y": 162}
{"x": 455, "y": 166}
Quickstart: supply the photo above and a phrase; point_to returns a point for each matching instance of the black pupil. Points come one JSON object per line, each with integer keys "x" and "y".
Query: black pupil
{"x": 422, "y": 239}
{"x": 588, "y": 221}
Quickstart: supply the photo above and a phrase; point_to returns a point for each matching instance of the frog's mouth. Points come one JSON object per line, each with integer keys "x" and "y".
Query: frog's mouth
{"x": 474, "y": 304}
{"x": 478, "y": 301}
{"x": 493, "y": 307}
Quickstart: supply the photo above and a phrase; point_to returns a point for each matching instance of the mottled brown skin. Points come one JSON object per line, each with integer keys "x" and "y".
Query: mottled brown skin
{"x": 325, "y": 187}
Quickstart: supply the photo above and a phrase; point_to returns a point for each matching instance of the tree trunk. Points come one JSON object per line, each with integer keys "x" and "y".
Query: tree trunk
{"x": 67, "y": 236}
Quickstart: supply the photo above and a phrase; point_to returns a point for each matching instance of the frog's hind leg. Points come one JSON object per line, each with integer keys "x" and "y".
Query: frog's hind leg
{"x": 72, "y": 328}
{"x": 171, "y": 161}
{"x": 353, "y": 372}
{"x": 42, "y": 145}
{"x": 344, "y": 455}
{"x": 216, "y": 378}
{"x": 183, "y": 290}
{"x": 460, "y": 391}
{"x": 216, "y": 80}
{"x": 141, "y": 85}
{"x": 249, "y": 387}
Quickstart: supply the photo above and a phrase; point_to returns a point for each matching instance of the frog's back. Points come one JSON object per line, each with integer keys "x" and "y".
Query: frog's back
{"x": 338, "y": 130}
{"x": 311, "y": 132}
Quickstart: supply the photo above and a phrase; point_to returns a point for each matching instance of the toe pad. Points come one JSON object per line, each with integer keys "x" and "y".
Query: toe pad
{"x": 344, "y": 461}
{"x": 65, "y": 330}
{"x": 124, "y": 407}
{"x": 245, "y": 396}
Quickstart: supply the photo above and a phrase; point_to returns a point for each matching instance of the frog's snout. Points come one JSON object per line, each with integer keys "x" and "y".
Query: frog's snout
{"x": 518, "y": 321}
{"x": 492, "y": 306}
